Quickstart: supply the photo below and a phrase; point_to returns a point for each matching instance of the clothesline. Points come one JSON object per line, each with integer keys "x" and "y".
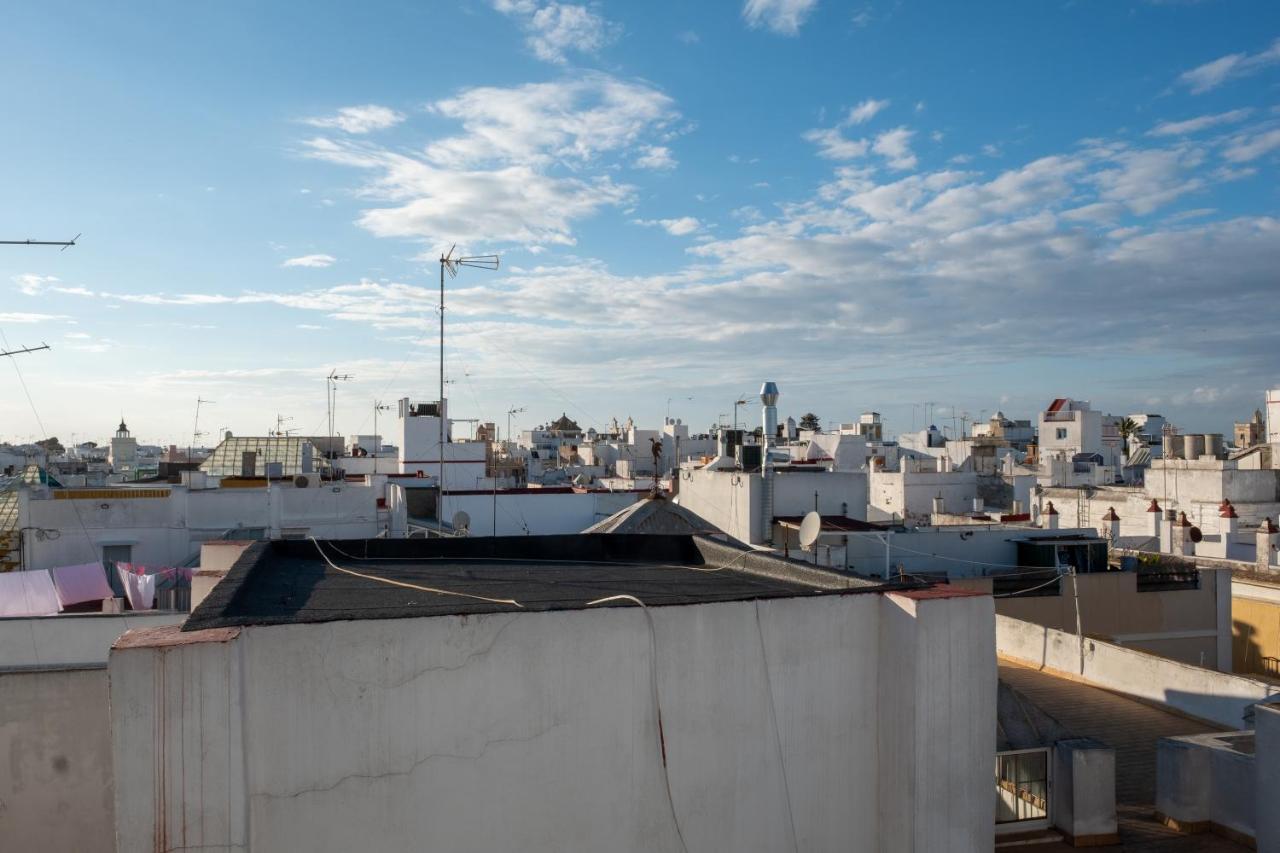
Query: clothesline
{"x": 46, "y": 592}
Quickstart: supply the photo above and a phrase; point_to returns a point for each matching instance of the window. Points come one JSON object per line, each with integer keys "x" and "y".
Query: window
{"x": 1022, "y": 786}
{"x": 1062, "y": 433}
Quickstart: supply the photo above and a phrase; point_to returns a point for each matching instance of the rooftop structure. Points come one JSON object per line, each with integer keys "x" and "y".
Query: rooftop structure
{"x": 264, "y": 456}
{"x": 501, "y": 694}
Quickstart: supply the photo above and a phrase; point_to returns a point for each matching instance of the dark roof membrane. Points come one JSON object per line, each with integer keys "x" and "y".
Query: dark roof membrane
{"x": 297, "y": 581}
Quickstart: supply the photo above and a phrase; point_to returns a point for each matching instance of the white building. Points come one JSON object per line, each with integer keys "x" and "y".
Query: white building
{"x": 918, "y": 489}
{"x": 791, "y": 709}
{"x": 124, "y": 451}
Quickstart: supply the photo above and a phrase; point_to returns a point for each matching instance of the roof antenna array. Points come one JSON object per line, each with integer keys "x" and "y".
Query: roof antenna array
{"x": 65, "y": 244}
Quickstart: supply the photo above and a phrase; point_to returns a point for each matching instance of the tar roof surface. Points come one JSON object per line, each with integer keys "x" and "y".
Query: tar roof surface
{"x": 289, "y": 582}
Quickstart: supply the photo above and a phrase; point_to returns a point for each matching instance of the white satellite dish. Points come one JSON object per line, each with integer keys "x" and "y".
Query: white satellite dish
{"x": 810, "y": 528}
{"x": 461, "y": 521}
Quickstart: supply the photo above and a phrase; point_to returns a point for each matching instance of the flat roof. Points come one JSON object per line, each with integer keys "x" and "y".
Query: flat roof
{"x": 297, "y": 581}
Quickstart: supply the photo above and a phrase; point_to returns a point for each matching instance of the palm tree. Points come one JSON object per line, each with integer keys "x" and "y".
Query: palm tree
{"x": 1128, "y": 428}
{"x": 810, "y": 421}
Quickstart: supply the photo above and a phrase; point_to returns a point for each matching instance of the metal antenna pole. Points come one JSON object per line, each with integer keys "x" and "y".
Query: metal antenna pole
{"x": 195, "y": 428}
{"x": 450, "y": 263}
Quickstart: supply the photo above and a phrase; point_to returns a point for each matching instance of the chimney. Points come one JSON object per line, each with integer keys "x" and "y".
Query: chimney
{"x": 769, "y": 432}
{"x": 1228, "y": 522}
{"x": 1267, "y": 536}
{"x": 938, "y": 506}
{"x": 1050, "y": 517}
{"x": 978, "y": 506}
{"x": 1110, "y": 527}
{"x": 1182, "y": 544}
{"x": 1154, "y": 516}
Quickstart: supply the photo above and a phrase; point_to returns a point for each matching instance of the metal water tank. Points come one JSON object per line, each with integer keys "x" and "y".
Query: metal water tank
{"x": 1172, "y": 446}
{"x": 1192, "y": 446}
{"x": 1213, "y": 445}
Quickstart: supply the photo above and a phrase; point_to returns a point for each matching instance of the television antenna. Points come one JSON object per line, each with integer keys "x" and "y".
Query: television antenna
{"x": 24, "y": 350}
{"x": 450, "y": 264}
{"x": 195, "y": 428}
{"x": 65, "y": 244}
{"x": 331, "y": 399}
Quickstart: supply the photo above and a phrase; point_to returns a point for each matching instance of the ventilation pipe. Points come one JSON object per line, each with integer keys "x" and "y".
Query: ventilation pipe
{"x": 769, "y": 429}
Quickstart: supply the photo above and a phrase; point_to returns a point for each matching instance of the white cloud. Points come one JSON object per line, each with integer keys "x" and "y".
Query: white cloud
{"x": 310, "y": 327}
{"x": 656, "y": 157}
{"x": 678, "y": 227}
{"x": 781, "y": 16}
{"x": 1245, "y": 147}
{"x": 361, "y": 119}
{"x": 25, "y": 317}
{"x": 526, "y": 165}
{"x": 688, "y": 37}
{"x": 1234, "y": 65}
{"x": 30, "y": 284}
{"x": 553, "y": 29}
{"x": 314, "y": 261}
{"x": 1199, "y": 123}
{"x": 895, "y": 146}
{"x": 833, "y": 145}
{"x": 864, "y": 111}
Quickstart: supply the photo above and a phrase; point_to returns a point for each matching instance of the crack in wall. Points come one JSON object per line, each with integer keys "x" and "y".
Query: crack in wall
{"x": 416, "y": 674}
{"x": 410, "y": 770}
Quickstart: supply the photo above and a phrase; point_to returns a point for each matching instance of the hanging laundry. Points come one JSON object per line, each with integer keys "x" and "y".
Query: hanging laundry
{"x": 86, "y": 582}
{"x": 140, "y": 589}
{"x": 28, "y": 594}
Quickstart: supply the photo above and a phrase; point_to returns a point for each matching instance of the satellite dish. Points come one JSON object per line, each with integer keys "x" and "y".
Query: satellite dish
{"x": 1195, "y": 534}
{"x": 461, "y": 521}
{"x": 810, "y": 527}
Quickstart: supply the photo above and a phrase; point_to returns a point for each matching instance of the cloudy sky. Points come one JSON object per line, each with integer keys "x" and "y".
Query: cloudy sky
{"x": 876, "y": 205}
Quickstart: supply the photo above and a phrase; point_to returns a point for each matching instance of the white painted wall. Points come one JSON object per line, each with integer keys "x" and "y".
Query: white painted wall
{"x": 167, "y": 531}
{"x": 56, "y": 786}
{"x": 538, "y": 514}
{"x": 71, "y": 639}
{"x": 1204, "y": 693}
{"x": 907, "y": 496}
{"x": 788, "y": 724}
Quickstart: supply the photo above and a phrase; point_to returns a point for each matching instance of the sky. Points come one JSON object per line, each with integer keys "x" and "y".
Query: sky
{"x": 914, "y": 207}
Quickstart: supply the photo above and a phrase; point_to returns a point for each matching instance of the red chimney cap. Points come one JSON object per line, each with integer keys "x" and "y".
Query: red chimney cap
{"x": 1111, "y": 514}
{"x": 1182, "y": 520}
{"x": 1268, "y": 527}
{"x": 1049, "y": 510}
{"x": 1228, "y": 511}
{"x": 1155, "y": 507}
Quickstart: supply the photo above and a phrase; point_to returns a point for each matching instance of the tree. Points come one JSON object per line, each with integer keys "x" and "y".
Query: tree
{"x": 811, "y": 422}
{"x": 1128, "y": 428}
{"x": 51, "y": 446}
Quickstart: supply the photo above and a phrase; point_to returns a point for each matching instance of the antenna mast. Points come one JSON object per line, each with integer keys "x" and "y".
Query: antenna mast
{"x": 451, "y": 264}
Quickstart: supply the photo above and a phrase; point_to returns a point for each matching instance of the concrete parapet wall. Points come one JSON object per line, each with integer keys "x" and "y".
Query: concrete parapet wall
{"x": 1204, "y": 693}
{"x": 540, "y": 730}
{"x": 71, "y": 639}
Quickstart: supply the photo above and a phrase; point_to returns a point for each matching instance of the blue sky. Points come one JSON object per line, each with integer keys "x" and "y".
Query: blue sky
{"x": 873, "y": 204}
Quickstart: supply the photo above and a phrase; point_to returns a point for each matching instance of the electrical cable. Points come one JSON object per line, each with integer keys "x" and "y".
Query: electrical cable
{"x": 1054, "y": 579}
{"x": 777, "y": 734}
{"x": 40, "y": 422}
{"x": 657, "y": 702}
{"x": 391, "y": 582}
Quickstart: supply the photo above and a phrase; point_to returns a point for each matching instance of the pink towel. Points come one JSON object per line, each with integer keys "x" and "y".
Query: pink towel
{"x": 27, "y": 594}
{"x": 86, "y": 582}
